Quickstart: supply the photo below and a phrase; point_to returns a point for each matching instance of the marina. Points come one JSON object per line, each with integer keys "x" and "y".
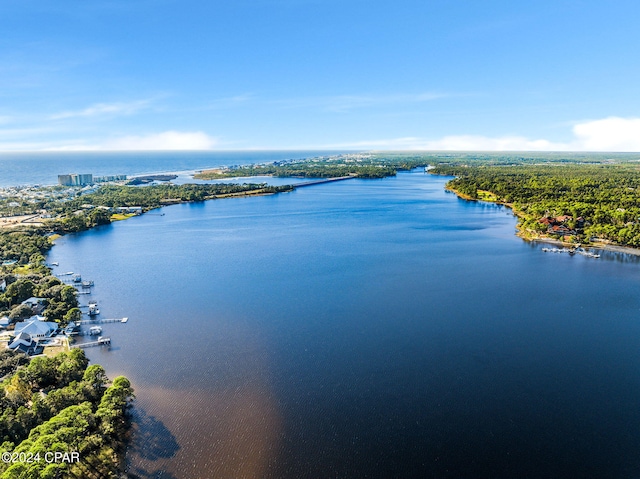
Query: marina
{"x": 571, "y": 251}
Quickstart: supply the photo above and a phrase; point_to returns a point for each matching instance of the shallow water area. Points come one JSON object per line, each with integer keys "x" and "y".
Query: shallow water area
{"x": 365, "y": 328}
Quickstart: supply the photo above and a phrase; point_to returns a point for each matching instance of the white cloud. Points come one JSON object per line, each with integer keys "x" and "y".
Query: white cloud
{"x": 168, "y": 140}
{"x": 457, "y": 143}
{"x": 612, "y": 134}
{"x": 609, "y": 134}
{"x": 483, "y": 143}
{"x": 104, "y": 109}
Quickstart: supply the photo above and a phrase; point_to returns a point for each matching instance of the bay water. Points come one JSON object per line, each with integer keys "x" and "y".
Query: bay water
{"x": 364, "y": 328}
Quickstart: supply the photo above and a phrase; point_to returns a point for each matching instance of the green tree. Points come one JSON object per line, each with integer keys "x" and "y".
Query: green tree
{"x": 19, "y": 291}
{"x": 73, "y": 315}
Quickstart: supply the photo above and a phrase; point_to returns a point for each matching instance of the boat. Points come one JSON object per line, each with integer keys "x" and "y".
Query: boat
{"x": 93, "y": 309}
{"x": 95, "y": 330}
{"x": 87, "y": 284}
{"x": 77, "y": 278}
{"x": 55, "y": 263}
{"x": 72, "y": 329}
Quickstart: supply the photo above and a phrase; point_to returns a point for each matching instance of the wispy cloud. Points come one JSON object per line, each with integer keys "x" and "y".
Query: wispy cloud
{"x": 168, "y": 140}
{"x": 104, "y": 109}
{"x": 346, "y": 103}
{"x": 229, "y": 102}
{"x": 25, "y": 132}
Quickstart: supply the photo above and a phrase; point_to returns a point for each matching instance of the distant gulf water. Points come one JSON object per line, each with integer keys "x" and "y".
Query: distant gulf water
{"x": 365, "y": 328}
{"x": 44, "y": 168}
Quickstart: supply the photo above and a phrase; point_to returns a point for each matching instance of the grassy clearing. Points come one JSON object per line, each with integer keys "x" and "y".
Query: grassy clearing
{"x": 53, "y": 350}
{"x": 22, "y": 270}
{"x": 484, "y": 195}
{"x": 120, "y": 216}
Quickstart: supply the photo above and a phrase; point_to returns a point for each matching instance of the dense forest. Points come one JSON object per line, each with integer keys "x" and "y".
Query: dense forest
{"x": 22, "y": 245}
{"x": 606, "y": 196}
{"x": 61, "y": 405}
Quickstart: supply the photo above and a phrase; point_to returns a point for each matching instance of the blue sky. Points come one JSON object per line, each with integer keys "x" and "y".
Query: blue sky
{"x": 280, "y": 74}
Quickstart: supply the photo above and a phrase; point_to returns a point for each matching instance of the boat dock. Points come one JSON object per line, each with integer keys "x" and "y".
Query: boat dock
{"x": 90, "y": 344}
{"x": 103, "y": 321}
{"x": 571, "y": 251}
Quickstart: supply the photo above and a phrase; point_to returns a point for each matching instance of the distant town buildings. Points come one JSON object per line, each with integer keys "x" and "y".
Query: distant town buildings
{"x": 106, "y": 179}
{"x": 75, "y": 179}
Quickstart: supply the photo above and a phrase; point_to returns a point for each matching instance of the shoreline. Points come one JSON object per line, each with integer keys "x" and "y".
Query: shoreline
{"x": 537, "y": 238}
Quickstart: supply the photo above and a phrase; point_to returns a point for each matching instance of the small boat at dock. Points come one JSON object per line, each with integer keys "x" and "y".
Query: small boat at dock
{"x": 95, "y": 330}
{"x": 93, "y": 309}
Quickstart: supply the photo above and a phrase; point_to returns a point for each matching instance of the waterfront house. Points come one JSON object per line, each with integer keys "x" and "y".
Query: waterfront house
{"x": 24, "y": 343}
{"x": 4, "y": 322}
{"x": 37, "y": 305}
{"x": 36, "y": 328}
{"x": 130, "y": 209}
{"x": 561, "y": 230}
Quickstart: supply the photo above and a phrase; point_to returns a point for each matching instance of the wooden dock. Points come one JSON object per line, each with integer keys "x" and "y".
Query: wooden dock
{"x": 90, "y": 344}
{"x": 104, "y": 321}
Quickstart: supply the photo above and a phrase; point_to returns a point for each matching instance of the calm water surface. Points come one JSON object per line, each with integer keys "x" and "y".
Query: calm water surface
{"x": 379, "y": 328}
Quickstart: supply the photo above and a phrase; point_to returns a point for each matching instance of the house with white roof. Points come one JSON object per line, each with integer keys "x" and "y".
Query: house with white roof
{"x": 25, "y": 344}
{"x": 36, "y": 328}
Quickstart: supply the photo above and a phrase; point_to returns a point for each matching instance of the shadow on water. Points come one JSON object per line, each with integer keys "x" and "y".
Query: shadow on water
{"x": 151, "y": 441}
